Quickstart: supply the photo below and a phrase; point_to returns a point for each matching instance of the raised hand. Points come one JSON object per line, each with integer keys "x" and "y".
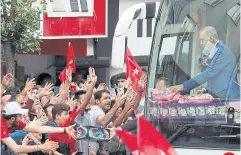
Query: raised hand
{"x": 30, "y": 84}
{"x": 87, "y": 84}
{"x": 46, "y": 90}
{"x": 93, "y": 77}
{"x": 128, "y": 83}
{"x": 6, "y": 79}
{"x": 142, "y": 82}
{"x": 71, "y": 131}
{"x": 54, "y": 99}
{"x": 130, "y": 96}
{"x": 30, "y": 96}
{"x": 69, "y": 72}
{"x": 120, "y": 100}
{"x": 72, "y": 103}
{"x": 64, "y": 89}
{"x": 129, "y": 105}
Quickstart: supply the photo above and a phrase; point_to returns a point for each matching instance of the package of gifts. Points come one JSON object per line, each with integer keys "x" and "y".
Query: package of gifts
{"x": 210, "y": 110}
{"x": 200, "y": 111}
{"x": 191, "y": 111}
{"x": 160, "y": 95}
{"x": 182, "y": 111}
{"x": 166, "y": 105}
{"x": 172, "y": 110}
{"x": 155, "y": 111}
{"x": 165, "y": 111}
{"x": 220, "y": 110}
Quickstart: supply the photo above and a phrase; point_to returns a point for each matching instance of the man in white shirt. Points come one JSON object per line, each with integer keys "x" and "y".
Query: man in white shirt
{"x": 102, "y": 114}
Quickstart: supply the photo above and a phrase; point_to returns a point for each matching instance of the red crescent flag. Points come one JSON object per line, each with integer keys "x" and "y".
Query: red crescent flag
{"x": 69, "y": 63}
{"x": 133, "y": 70}
{"x": 71, "y": 58}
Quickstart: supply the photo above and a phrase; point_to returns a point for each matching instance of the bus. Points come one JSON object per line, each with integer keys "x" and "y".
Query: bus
{"x": 202, "y": 120}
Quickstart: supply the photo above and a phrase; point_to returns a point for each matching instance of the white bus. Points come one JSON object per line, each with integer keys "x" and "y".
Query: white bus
{"x": 195, "y": 124}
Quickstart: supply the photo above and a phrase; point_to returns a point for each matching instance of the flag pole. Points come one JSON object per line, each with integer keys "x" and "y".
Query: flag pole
{"x": 138, "y": 134}
{"x": 124, "y": 64}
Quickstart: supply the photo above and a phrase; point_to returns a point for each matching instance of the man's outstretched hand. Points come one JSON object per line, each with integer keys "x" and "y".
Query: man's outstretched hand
{"x": 175, "y": 89}
{"x": 71, "y": 131}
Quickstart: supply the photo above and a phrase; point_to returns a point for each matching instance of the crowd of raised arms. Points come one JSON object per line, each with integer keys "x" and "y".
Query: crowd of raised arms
{"x": 36, "y": 120}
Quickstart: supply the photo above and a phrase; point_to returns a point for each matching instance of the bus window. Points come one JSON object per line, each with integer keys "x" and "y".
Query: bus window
{"x": 174, "y": 59}
{"x": 193, "y": 74}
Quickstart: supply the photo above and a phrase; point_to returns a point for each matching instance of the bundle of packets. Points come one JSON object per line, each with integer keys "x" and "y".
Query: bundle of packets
{"x": 176, "y": 106}
{"x": 188, "y": 111}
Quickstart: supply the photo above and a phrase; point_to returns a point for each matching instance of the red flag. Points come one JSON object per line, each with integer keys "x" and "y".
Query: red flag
{"x": 148, "y": 142}
{"x": 133, "y": 70}
{"x": 60, "y": 137}
{"x": 71, "y": 58}
{"x": 69, "y": 63}
{"x": 153, "y": 142}
{"x": 130, "y": 140}
{"x": 62, "y": 76}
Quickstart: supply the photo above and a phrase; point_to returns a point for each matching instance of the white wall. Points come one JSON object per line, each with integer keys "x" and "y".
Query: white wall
{"x": 137, "y": 46}
{"x": 124, "y": 4}
{"x": 36, "y": 63}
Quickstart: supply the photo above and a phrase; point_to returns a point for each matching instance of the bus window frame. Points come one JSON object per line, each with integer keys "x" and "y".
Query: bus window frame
{"x": 187, "y": 37}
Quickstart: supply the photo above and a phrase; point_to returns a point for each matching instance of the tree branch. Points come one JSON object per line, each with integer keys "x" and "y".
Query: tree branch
{"x": 5, "y": 12}
{"x": 13, "y": 10}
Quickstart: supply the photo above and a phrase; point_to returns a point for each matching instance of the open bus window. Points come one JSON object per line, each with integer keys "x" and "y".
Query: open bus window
{"x": 168, "y": 46}
{"x": 174, "y": 58}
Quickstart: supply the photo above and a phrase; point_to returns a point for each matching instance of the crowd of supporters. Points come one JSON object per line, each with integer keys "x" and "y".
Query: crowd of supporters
{"x": 41, "y": 118}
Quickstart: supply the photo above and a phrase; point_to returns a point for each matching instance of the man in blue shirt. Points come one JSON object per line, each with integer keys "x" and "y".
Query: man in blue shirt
{"x": 221, "y": 72}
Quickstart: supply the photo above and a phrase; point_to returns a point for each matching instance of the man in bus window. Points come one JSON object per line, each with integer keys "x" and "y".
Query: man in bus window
{"x": 221, "y": 72}
{"x": 162, "y": 83}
